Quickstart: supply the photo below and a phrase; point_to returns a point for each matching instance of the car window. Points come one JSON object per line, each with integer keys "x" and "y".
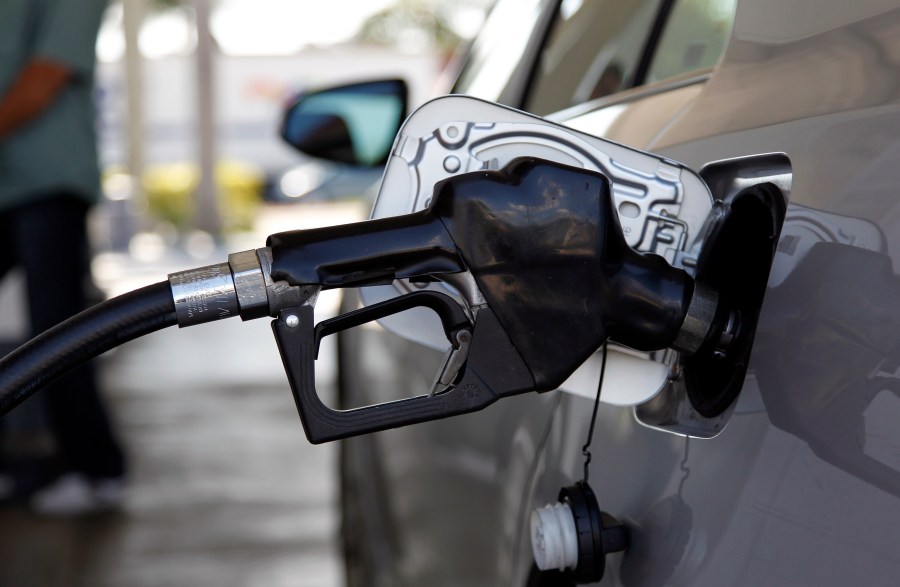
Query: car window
{"x": 499, "y": 49}
{"x": 593, "y": 49}
{"x": 693, "y": 38}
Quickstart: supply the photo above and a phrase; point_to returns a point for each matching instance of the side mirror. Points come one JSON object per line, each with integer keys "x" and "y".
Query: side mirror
{"x": 354, "y": 124}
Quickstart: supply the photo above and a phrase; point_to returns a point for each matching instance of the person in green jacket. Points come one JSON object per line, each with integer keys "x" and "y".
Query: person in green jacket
{"x": 49, "y": 178}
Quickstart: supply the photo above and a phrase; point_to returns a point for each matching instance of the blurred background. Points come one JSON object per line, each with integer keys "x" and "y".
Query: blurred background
{"x": 223, "y": 487}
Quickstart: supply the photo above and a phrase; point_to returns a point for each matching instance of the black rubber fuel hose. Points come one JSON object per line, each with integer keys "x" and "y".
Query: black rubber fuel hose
{"x": 82, "y": 337}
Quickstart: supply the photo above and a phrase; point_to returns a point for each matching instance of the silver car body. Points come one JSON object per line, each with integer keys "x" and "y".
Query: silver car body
{"x": 802, "y": 486}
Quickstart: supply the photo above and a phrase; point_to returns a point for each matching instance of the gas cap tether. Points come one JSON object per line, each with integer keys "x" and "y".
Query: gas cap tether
{"x": 574, "y": 535}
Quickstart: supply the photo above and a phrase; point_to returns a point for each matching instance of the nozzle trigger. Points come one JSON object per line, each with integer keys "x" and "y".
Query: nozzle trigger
{"x": 468, "y": 382}
{"x": 452, "y": 316}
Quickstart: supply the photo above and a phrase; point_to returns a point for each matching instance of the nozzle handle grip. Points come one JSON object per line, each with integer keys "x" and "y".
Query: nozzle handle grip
{"x": 494, "y": 370}
{"x": 373, "y": 252}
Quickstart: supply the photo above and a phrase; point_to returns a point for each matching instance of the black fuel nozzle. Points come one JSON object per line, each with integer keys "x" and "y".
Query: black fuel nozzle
{"x": 555, "y": 275}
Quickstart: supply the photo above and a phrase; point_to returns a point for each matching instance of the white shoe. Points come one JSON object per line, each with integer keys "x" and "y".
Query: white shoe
{"x": 74, "y": 494}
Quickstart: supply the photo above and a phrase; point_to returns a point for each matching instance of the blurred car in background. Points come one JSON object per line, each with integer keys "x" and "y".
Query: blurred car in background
{"x": 798, "y": 481}
{"x": 323, "y": 181}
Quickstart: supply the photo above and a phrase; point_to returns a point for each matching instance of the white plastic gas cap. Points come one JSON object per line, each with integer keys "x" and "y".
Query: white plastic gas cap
{"x": 554, "y": 540}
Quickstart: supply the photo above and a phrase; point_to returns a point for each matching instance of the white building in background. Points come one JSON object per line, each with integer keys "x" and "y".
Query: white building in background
{"x": 270, "y": 50}
{"x": 252, "y": 92}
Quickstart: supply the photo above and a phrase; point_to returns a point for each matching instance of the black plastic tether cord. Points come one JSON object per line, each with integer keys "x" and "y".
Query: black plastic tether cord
{"x": 82, "y": 337}
{"x": 586, "y": 449}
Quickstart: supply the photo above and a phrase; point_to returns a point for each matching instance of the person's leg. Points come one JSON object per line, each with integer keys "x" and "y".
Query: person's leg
{"x": 52, "y": 248}
{"x": 7, "y": 483}
{"x": 6, "y": 246}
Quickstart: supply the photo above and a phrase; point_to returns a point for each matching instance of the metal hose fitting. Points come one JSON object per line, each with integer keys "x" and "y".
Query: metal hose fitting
{"x": 249, "y": 284}
{"x": 241, "y": 287}
{"x": 215, "y": 292}
{"x": 204, "y": 294}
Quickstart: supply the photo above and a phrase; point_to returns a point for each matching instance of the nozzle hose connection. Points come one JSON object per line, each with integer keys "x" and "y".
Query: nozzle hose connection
{"x": 204, "y": 294}
{"x": 241, "y": 287}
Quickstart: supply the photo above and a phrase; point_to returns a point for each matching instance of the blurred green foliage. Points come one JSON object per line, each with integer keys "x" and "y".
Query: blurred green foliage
{"x": 170, "y": 192}
{"x": 433, "y": 21}
{"x": 166, "y": 3}
{"x": 417, "y": 16}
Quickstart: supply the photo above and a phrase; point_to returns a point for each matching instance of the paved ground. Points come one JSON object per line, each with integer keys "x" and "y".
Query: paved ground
{"x": 225, "y": 490}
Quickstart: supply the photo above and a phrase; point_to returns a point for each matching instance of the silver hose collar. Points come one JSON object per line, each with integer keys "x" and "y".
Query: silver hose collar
{"x": 700, "y": 315}
{"x": 250, "y": 284}
{"x": 204, "y": 294}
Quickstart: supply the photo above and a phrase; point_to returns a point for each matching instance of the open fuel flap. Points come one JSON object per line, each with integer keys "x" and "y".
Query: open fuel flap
{"x": 734, "y": 255}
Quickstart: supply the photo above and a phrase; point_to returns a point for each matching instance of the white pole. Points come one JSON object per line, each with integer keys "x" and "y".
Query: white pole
{"x": 132, "y": 15}
{"x": 207, "y": 210}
